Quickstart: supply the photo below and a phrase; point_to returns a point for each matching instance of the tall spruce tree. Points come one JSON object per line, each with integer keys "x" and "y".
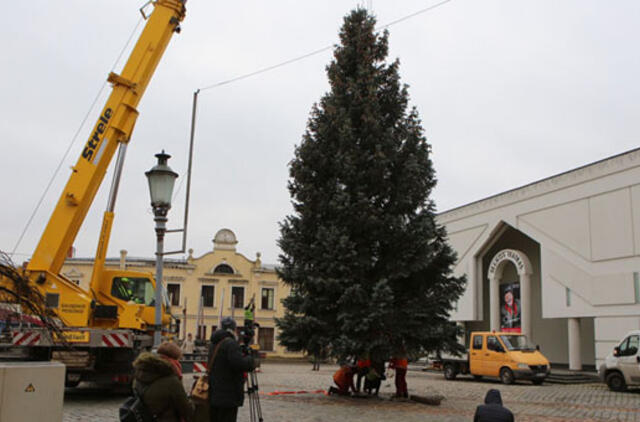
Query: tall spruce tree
{"x": 369, "y": 267}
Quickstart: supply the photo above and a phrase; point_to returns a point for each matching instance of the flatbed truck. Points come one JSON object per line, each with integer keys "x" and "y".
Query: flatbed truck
{"x": 504, "y": 355}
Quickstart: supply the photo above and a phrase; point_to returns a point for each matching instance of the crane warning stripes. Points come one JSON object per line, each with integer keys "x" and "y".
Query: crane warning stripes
{"x": 115, "y": 340}
{"x": 26, "y": 338}
{"x": 199, "y": 367}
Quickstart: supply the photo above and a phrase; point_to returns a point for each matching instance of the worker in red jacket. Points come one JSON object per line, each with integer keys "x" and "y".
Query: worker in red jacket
{"x": 344, "y": 380}
{"x": 400, "y": 365}
{"x": 363, "y": 366}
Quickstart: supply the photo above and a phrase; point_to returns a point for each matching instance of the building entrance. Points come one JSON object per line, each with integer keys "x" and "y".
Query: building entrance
{"x": 510, "y": 302}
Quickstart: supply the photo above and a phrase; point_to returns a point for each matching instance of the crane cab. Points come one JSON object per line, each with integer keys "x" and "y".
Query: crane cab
{"x": 127, "y": 299}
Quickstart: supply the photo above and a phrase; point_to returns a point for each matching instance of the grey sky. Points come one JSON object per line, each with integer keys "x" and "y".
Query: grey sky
{"x": 509, "y": 92}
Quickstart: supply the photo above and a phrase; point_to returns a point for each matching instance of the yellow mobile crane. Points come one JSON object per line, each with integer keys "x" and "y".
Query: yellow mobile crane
{"x": 109, "y": 324}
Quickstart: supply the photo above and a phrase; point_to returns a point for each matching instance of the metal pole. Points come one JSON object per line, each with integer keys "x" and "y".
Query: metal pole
{"x": 188, "y": 194}
{"x": 117, "y": 172}
{"x": 184, "y": 314}
{"x": 161, "y": 227}
{"x": 200, "y": 318}
{"x": 186, "y": 205}
{"x": 221, "y": 305}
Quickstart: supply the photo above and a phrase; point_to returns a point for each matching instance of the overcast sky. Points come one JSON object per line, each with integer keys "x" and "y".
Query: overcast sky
{"x": 509, "y": 92}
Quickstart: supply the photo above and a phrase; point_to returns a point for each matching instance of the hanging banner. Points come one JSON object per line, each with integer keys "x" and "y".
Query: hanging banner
{"x": 510, "y": 312}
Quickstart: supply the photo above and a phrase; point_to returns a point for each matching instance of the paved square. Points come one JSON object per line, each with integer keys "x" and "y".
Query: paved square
{"x": 549, "y": 402}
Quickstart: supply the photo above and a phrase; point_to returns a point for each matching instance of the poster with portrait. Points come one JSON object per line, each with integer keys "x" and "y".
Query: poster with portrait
{"x": 510, "y": 311}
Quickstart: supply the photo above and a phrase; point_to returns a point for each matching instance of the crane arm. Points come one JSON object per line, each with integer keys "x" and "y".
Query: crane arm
{"x": 114, "y": 126}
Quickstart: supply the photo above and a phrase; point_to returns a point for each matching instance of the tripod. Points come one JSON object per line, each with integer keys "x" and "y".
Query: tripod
{"x": 248, "y": 333}
{"x": 255, "y": 410}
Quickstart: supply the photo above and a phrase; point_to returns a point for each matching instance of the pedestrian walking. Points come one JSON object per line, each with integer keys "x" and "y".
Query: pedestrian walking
{"x": 400, "y": 365}
{"x": 157, "y": 381}
{"x": 492, "y": 410}
{"x": 229, "y": 365}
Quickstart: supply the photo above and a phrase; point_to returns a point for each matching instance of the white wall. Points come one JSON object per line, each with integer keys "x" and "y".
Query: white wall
{"x": 587, "y": 225}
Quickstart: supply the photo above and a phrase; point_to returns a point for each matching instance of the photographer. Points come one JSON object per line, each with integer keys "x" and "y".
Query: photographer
{"x": 226, "y": 383}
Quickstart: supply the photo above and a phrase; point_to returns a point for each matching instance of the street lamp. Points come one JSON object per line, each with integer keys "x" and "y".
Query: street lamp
{"x": 161, "y": 181}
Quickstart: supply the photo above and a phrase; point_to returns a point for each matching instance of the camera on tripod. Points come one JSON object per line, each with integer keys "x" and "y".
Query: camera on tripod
{"x": 247, "y": 334}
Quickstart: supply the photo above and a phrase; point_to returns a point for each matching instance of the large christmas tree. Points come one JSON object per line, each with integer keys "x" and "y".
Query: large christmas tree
{"x": 369, "y": 267}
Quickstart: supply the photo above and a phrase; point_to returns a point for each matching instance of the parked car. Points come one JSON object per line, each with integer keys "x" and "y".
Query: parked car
{"x": 621, "y": 368}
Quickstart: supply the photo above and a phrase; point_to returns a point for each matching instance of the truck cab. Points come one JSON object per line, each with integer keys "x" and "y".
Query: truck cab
{"x": 621, "y": 367}
{"x": 508, "y": 356}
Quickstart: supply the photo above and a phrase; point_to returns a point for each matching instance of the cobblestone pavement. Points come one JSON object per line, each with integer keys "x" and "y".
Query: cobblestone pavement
{"x": 585, "y": 402}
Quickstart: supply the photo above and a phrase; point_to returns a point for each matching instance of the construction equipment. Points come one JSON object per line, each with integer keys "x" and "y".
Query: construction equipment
{"x": 109, "y": 324}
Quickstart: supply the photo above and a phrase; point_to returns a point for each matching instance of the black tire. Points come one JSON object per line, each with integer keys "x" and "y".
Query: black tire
{"x": 537, "y": 382}
{"x": 615, "y": 381}
{"x": 506, "y": 376}
{"x": 71, "y": 384}
{"x": 450, "y": 371}
{"x": 477, "y": 377}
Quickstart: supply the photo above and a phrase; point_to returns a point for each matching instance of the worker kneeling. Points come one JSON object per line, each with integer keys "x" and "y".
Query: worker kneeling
{"x": 344, "y": 380}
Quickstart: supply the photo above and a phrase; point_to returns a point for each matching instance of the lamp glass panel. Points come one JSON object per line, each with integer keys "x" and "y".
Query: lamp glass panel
{"x": 161, "y": 188}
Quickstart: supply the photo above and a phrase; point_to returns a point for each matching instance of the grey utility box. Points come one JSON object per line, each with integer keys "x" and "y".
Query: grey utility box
{"x": 31, "y": 391}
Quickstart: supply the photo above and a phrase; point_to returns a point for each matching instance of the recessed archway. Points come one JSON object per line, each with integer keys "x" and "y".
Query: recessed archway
{"x": 524, "y": 269}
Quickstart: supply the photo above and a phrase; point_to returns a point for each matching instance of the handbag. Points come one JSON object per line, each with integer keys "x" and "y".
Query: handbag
{"x": 135, "y": 410}
{"x": 200, "y": 388}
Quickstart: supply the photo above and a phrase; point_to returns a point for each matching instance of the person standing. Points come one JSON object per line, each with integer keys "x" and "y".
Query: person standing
{"x": 228, "y": 367}
{"x": 188, "y": 346}
{"x": 363, "y": 364}
{"x": 157, "y": 381}
{"x": 316, "y": 361}
{"x": 492, "y": 409}
{"x": 400, "y": 365}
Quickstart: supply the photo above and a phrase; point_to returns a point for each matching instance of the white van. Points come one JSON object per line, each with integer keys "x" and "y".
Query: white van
{"x": 621, "y": 368}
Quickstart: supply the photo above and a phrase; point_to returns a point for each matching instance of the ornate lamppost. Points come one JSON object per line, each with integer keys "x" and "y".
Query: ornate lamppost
{"x": 161, "y": 181}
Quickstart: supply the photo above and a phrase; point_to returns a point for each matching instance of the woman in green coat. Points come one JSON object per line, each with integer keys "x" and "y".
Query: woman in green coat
{"x": 157, "y": 380}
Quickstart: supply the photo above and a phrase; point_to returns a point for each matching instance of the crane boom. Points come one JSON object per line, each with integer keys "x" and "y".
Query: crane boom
{"x": 110, "y": 324}
{"x": 114, "y": 126}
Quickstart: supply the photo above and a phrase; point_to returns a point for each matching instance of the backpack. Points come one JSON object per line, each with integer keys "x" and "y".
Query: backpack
{"x": 135, "y": 410}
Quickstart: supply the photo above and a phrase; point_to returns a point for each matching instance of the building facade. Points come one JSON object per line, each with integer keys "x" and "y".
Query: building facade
{"x": 558, "y": 260}
{"x": 201, "y": 289}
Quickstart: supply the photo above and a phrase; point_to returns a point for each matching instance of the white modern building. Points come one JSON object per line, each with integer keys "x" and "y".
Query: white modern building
{"x": 567, "y": 248}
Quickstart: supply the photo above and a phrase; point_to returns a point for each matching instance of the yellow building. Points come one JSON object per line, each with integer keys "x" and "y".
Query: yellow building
{"x": 221, "y": 281}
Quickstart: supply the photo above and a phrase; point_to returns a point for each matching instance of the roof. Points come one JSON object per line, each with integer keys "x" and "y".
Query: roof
{"x": 180, "y": 262}
{"x": 584, "y": 173}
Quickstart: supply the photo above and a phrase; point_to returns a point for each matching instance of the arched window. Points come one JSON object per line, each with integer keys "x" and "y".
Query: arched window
{"x": 223, "y": 269}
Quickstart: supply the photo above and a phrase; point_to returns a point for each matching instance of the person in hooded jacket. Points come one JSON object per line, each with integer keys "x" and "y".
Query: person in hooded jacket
{"x": 157, "y": 380}
{"x": 226, "y": 382}
{"x": 492, "y": 409}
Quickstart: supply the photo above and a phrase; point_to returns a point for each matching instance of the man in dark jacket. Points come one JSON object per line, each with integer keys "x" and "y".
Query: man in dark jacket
{"x": 226, "y": 383}
{"x": 492, "y": 409}
{"x": 156, "y": 380}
